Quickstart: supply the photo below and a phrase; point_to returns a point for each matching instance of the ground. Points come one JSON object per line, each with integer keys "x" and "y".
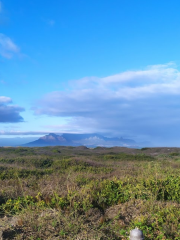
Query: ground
{"x": 80, "y": 193}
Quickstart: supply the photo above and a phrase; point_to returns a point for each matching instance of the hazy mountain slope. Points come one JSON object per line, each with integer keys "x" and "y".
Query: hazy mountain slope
{"x": 89, "y": 140}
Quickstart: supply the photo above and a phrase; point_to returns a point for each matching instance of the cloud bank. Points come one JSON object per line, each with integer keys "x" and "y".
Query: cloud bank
{"x": 140, "y": 103}
{"x": 7, "y": 47}
{"x": 23, "y": 133}
{"x": 9, "y": 113}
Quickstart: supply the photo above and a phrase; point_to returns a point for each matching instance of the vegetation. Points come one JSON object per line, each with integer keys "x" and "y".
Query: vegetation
{"x": 78, "y": 193}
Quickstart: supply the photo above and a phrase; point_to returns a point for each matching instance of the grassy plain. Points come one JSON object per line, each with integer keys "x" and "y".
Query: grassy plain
{"x": 78, "y": 193}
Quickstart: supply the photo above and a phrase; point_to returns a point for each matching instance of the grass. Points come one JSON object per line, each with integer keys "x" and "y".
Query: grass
{"x": 74, "y": 193}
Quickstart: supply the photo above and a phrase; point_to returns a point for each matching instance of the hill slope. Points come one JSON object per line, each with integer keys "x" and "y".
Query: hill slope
{"x": 89, "y": 140}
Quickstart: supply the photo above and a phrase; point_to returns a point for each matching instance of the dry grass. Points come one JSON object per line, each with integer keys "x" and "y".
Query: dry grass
{"x": 73, "y": 193}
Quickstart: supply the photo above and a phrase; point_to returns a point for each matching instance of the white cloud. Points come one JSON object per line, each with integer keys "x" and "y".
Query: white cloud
{"x": 4, "y": 99}
{"x": 9, "y": 113}
{"x": 139, "y": 102}
{"x": 7, "y": 47}
{"x": 151, "y": 74}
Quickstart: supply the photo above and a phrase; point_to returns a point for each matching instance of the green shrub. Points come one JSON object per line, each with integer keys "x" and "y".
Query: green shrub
{"x": 174, "y": 154}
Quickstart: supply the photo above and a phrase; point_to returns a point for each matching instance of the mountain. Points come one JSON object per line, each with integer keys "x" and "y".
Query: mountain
{"x": 89, "y": 140}
{"x": 51, "y": 139}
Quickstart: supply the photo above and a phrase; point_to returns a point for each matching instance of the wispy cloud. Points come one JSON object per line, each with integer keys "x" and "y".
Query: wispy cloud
{"x": 51, "y": 22}
{"x": 9, "y": 113}
{"x": 140, "y": 102}
{"x": 7, "y": 47}
{"x": 20, "y": 133}
{"x": 0, "y": 6}
{"x": 2, "y": 82}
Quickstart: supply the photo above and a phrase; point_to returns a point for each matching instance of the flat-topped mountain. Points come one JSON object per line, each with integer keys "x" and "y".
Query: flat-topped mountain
{"x": 89, "y": 140}
{"x": 52, "y": 137}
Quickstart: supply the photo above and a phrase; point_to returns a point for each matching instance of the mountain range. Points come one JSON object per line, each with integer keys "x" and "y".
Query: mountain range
{"x": 88, "y": 140}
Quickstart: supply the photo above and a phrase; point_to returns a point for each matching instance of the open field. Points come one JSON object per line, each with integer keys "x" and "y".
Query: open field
{"x": 79, "y": 193}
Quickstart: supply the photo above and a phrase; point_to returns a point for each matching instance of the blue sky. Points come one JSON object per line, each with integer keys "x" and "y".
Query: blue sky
{"x": 104, "y": 66}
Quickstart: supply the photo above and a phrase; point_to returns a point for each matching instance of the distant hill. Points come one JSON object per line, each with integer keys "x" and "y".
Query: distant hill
{"x": 88, "y": 140}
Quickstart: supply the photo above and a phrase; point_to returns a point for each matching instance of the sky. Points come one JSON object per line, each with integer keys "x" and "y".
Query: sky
{"x": 106, "y": 66}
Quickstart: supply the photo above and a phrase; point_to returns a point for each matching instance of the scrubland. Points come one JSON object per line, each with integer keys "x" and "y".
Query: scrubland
{"x": 79, "y": 193}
